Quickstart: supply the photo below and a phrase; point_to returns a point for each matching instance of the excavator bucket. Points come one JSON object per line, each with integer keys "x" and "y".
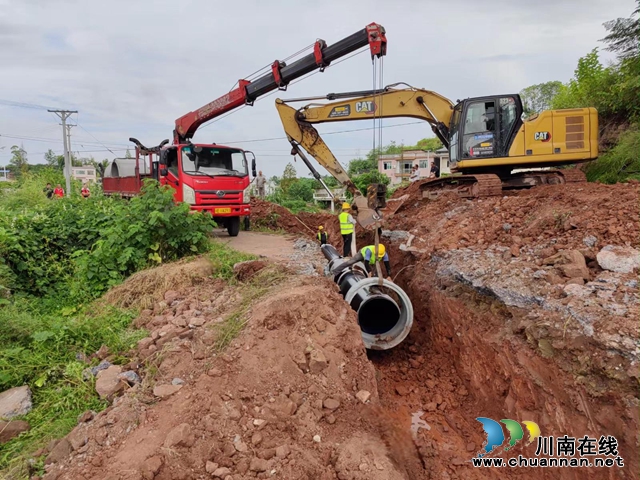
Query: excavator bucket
{"x": 367, "y": 217}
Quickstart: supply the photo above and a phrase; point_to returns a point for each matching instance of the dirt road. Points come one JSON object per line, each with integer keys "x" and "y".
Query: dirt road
{"x": 300, "y": 253}
{"x": 274, "y": 246}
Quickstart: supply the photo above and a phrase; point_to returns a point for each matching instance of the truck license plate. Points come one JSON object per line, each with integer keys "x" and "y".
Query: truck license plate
{"x": 222, "y": 210}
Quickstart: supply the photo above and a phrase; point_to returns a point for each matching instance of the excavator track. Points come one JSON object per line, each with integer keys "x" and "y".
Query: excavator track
{"x": 465, "y": 186}
{"x": 572, "y": 175}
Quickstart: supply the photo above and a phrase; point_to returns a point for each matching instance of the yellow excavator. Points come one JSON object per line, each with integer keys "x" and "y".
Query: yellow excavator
{"x": 487, "y": 139}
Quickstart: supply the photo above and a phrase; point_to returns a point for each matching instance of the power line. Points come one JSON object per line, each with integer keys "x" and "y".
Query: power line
{"x": 94, "y": 137}
{"x": 43, "y": 139}
{"x": 24, "y": 105}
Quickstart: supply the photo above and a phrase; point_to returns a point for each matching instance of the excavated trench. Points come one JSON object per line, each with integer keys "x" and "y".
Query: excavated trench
{"x": 467, "y": 357}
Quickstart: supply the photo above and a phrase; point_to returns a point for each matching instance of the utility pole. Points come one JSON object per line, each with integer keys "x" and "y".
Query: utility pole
{"x": 69, "y": 150}
{"x": 64, "y": 114}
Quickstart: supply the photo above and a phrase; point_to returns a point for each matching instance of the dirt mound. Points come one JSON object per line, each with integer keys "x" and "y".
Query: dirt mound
{"x": 145, "y": 288}
{"x": 275, "y": 217}
{"x": 571, "y": 216}
{"x": 285, "y": 398}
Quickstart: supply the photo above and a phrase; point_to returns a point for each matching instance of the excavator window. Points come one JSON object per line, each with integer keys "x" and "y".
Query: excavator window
{"x": 479, "y": 129}
{"x": 454, "y": 127}
{"x": 508, "y": 116}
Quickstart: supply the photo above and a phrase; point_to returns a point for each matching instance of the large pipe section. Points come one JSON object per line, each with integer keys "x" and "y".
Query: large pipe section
{"x": 384, "y": 321}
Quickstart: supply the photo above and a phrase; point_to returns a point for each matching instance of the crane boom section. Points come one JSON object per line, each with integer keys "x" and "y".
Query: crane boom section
{"x": 279, "y": 76}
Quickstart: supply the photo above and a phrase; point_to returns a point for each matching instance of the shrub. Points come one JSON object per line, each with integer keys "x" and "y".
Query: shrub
{"x": 94, "y": 243}
{"x": 620, "y": 163}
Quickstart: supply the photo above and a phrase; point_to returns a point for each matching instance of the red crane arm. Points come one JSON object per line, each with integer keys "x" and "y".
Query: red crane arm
{"x": 280, "y": 76}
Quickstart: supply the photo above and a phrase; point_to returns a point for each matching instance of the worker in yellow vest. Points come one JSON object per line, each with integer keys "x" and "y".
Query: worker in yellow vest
{"x": 367, "y": 255}
{"x": 322, "y": 236}
{"x": 347, "y": 227}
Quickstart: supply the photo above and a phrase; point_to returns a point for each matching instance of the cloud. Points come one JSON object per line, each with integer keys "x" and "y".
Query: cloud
{"x": 132, "y": 68}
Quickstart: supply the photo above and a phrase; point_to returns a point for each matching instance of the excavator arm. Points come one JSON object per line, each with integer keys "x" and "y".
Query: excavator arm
{"x": 387, "y": 103}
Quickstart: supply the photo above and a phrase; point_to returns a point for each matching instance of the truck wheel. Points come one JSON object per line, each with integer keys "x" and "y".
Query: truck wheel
{"x": 247, "y": 224}
{"x": 233, "y": 226}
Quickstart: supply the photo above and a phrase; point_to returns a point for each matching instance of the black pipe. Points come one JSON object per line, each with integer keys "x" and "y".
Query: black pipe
{"x": 377, "y": 313}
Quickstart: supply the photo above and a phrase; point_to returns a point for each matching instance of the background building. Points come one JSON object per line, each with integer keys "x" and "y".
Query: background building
{"x": 398, "y": 166}
{"x": 84, "y": 174}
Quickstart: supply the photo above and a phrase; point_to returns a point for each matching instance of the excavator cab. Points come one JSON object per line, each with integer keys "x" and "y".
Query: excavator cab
{"x": 483, "y": 127}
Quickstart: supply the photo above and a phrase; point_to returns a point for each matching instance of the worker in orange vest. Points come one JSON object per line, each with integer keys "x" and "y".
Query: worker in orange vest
{"x": 85, "y": 191}
{"x": 58, "y": 191}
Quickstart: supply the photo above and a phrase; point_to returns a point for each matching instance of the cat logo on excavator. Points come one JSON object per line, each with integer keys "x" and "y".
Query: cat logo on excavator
{"x": 367, "y": 107}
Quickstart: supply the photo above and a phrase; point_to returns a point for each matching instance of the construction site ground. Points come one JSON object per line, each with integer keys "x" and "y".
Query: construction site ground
{"x": 526, "y": 308}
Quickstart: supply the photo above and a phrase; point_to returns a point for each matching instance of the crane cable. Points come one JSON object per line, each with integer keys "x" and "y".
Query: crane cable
{"x": 377, "y": 111}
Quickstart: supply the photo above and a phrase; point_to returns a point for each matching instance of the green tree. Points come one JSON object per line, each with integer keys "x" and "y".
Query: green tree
{"x": 51, "y": 158}
{"x": 301, "y": 189}
{"x": 363, "y": 181}
{"x": 537, "y": 98}
{"x": 429, "y": 144}
{"x": 100, "y": 166}
{"x": 18, "y": 160}
{"x": 289, "y": 176}
{"x": 624, "y": 35}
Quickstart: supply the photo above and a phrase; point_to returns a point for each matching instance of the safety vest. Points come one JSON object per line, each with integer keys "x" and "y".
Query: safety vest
{"x": 322, "y": 237}
{"x": 372, "y": 249}
{"x": 346, "y": 227}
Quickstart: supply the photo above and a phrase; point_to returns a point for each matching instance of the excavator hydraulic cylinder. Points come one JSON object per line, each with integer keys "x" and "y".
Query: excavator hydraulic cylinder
{"x": 385, "y": 313}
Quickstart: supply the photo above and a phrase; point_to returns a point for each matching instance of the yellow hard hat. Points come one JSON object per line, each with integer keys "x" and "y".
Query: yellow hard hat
{"x": 320, "y": 227}
{"x": 346, "y": 206}
{"x": 381, "y": 250}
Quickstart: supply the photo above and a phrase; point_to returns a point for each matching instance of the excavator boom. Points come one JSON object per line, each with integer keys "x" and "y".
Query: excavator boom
{"x": 279, "y": 76}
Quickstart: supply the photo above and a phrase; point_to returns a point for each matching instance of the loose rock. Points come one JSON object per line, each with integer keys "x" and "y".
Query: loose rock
{"x": 221, "y": 472}
{"x": 61, "y": 451}
{"x": 619, "y": 259}
{"x": 12, "y": 429}
{"x": 108, "y": 382}
{"x": 258, "y": 465}
{"x": 331, "y": 403}
{"x": 163, "y": 391}
{"x": 363, "y": 396}
{"x": 317, "y": 362}
{"x": 15, "y": 401}
{"x": 180, "y": 436}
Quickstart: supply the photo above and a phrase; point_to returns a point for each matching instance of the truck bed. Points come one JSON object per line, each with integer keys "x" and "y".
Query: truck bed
{"x": 124, "y": 186}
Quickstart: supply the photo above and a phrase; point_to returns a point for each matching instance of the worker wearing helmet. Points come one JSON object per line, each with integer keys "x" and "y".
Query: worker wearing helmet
{"x": 347, "y": 227}
{"x": 322, "y": 236}
{"x": 367, "y": 255}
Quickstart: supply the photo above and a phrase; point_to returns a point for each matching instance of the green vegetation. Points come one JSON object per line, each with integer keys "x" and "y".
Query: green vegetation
{"x": 620, "y": 163}
{"x": 614, "y": 90}
{"x": 223, "y": 258}
{"x": 56, "y": 257}
{"x": 85, "y": 246}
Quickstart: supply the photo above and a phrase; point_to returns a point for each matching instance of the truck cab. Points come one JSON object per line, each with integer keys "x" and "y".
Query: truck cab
{"x": 210, "y": 178}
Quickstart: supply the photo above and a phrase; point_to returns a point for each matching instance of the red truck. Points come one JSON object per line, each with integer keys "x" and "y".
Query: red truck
{"x": 215, "y": 178}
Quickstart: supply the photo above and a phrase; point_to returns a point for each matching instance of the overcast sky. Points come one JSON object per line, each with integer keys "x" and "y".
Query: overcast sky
{"x": 131, "y": 68}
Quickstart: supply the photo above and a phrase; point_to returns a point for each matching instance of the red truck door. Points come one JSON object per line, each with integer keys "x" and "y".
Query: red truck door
{"x": 172, "y": 178}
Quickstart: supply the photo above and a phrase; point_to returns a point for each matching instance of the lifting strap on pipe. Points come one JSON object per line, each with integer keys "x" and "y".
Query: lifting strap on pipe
{"x": 378, "y": 268}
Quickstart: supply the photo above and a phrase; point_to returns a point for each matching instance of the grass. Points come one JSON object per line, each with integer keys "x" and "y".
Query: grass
{"x": 223, "y": 258}
{"x": 40, "y": 348}
{"x": 261, "y": 284}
